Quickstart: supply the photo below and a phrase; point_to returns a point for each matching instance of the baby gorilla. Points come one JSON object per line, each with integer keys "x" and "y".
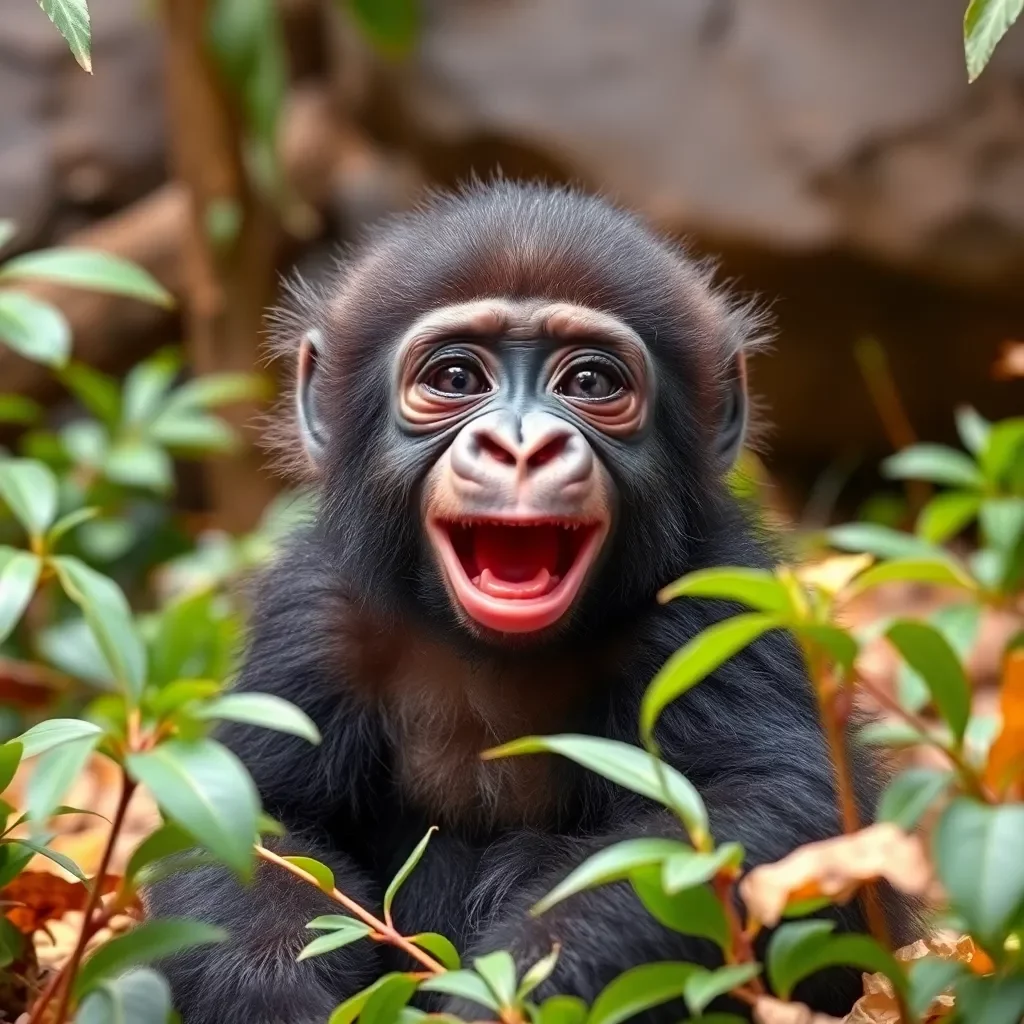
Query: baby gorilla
{"x": 519, "y": 405}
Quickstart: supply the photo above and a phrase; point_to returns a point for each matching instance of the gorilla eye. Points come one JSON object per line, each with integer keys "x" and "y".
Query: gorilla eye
{"x": 593, "y": 381}
{"x": 457, "y": 378}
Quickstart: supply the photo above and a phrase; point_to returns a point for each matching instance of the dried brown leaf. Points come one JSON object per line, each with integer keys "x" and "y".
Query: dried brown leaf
{"x": 774, "y": 1011}
{"x": 835, "y": 869}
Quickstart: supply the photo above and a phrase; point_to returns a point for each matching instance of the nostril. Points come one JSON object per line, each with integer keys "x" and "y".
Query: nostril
{"x": 548, "y": 452}
{"x": 495, "y": 450}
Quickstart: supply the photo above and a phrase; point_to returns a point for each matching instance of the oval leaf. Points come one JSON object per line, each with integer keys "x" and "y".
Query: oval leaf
{"x": 757, "y": 588}
{"x": 149, "y": 942}
{"x": 55, "y": 731}
{"x": 882, "y": 541}
{"x": 946, "y": 515}
{"x": 498, "y": 969}
{"x": 10, "y": 757}
{"x": 263, "y": 709}
{"x": 929, "y": 654}
{"x": 640, "y": 989}
{"x": 537, "y": 974}
{"x": 54, "y": 774}
{"x": 88, "y": 268}
{"x": 702, "y": 987}
{"x": 907, "y": 798}
{"x": 626, "y": 765}
{"x": 463, "y": 985}
{"x": 138, "y": 997}
{"x": 440, "y": 948}
{"x": 19, "y": 574}
{"x": 694, "y": 911}
{"x": 985, "y": 23}
{"x": 321, "y": 872}
{"x": 166, "y": 841}
{"x": 387, "y": 1001}
{"x": 338, "y": 937}
{"x": 935, "y": 463}
{"x": 30, "y": 490}
{"x": 688, "y": 868}
{"x": 939, "y": 571}
{"x": 698, "y": 659}
{"x": 206, "y": 790}
{"x": 34, "y": 329}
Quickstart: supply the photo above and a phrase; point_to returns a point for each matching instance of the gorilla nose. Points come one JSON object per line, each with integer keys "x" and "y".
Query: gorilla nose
{"x": 501, "y": 452}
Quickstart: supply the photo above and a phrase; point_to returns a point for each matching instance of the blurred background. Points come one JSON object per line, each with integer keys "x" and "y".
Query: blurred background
{"x": 830, "y": 151}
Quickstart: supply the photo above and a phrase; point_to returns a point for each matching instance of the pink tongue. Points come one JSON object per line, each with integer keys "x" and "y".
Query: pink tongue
{"x": 537, "y": 587}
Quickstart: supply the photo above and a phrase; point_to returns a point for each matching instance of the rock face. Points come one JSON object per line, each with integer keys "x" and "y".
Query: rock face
{"x": 786, "y": 124}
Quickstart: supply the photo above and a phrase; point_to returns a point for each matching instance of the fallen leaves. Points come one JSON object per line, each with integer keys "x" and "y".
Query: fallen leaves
{"x": 835, "y": 869}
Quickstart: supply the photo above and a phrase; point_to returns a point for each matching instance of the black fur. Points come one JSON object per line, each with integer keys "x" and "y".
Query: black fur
{"x": 748, "y": 738}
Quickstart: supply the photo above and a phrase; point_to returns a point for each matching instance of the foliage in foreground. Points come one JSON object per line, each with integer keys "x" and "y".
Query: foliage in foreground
{"x": 142, "y": 675}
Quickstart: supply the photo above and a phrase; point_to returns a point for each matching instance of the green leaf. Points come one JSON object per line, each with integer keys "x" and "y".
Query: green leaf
{"x": 406, "y": 870}
{"x": 935, "y": 463}
{"x": 757, "y": 588}
{"x": 958, "y": 623}
{"x": 110, "y": 619}
{"x": 149, "y": 942}
{"x": 13, "y": 858}
{"x": 639, "y": 989}
{"x": 612, "y": 864}
{"x": 193, "y": 433}
{"x": 30, "y": 490}
{"x": 993, "y": 1000}
{"x": 391, "y": 25}
{"x": 386, "y": 1002}
{"x": 947, "y": 514}
{"x": 837, "y": 642}
{"x": 217, "y": 389}
{"x": 977, "y": 854}
{"x": 19, "y": 409}
{"x": 71, "y": 18}
{"x": 87, "y": 268}
{"x": 99, "y": 393}
{"x": 896, "y": 735}
{"x": 985, "y": 24}
{"x": 34, "y": 329}
{"x": 138, "y": 997}
{"x": 537, "y": 974}
{"x": 973, "y": 429}
{"x": 464, "y": 985}
{"x": 703, "y": 986}
{"x": 263, "y": 709}
{"x": 1003, "y": 450}
{"x": 137, "y": 463}
{"x": 930, "y": 976}
{"x": 19, "y": 575}
{"x": 440, "y": 948}
{"x": 67, "y": 523}
{"x": 70, "y": 646}
{"x": 166, "y": 841}
{"x": 55, "y": 773}
{"x": 1002, "y": 522}
{"x": 688, "y": 868}
{"x": 12, "y": 942}
{"x": 352, "y": 1007}
{"x": 180, "y": 693}
{"x": 498, "y": 970}
{"x": 55, "y": 855}
{"x": 909, "y": 795}
{"x": 10, "y": 758}
{"x": 321, "y": 872}
{"x": 8, "y": 229}
{"x": 801, "y": 948}
{"x": 562, "y": 1010}
{"x": 694, "y": 911}
{"x": 626, "y": 765}
{"x": 147, "y": 386}
{"x": 54, "y": 732}
{"x": 344, "y": 932}
{"x": 882, "y": 541}
{"x": 204, "y": 788}
{"x": 194, "y": 639}
{"x": 930, "y": 655}
{"x": 939, "y": 571}
{"x": 698, "y": 659}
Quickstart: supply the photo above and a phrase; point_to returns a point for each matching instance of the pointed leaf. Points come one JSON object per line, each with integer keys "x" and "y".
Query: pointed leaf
{"x": 985, "y": 24}
{"x": 10, "y": 758}
{"x": 694, "y": 911}
{"x": 166, "y": 841}
{"x": 204, "y": 788}
{"x": 67, "y": 523}
{"x": 698, "y": 659}
{"x": 54, "y": 774}
{"x": 34, "y": 329}
{"x": 339, "y": 936}
{"x": 217, "y": 389}
{"x": 406, "y": 870}
{"x": 55, "y": 855}
{"x": 973, "y": 429}
{"x": 263, "y": 709}
{"x": 55, "y": 731}
{"x": 498, "y": 970}
{"x": 938, "y": 571}
{"x": 88, "y": 268}
{"x": 837, "y": 642}
{"x": 977, "y": 853}
{"x": 626, "y": 765}
{"x": 882, "y": 541}
{"x": 537, "y": 974}
{"x": 149, "y": 942}
{"x": 640, "y": 989}
{"x": 440, "y": 948}
{"x": 192, "y": 433}
{"x": 463, "y": 985}
{"x": 1002, "y": 452}
{"x": 612, "y": 864}
{"x": 703, "y": 986}
{"x": 147, "y": 386}
{"x": 136, "y": 463}
{"x": 757, "y": 588}
{"x": 947, "y": 514}
{"x": 321, "y": 872}
{"x": 30, "y": 490}
{"x": 110, "y": 620}
{"x": 19, "y": 575}
{"x": 687, "y": 868}
{"x": 930, "y": 655}
{"x": 386, "y": 1002}
{"x": 907, "y": 798}
{"x": 71, "y": 18}
{"x": 138, "y": 997}
{"x": 935, "y": 463}
{"x": 349, "y": 1010}
{"x": 99, "y": 393}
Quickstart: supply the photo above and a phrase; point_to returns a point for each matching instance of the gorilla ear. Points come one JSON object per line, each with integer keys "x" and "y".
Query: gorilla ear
{"x": 732, "y": 427}
{"x": 310, "y": 423}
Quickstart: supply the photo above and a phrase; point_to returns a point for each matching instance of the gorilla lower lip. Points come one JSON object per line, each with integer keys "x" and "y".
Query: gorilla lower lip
{"x": 516, "y": 576}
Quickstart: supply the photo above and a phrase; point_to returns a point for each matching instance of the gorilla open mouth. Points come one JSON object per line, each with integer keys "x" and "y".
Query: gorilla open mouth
{"x": 516, "y": 576}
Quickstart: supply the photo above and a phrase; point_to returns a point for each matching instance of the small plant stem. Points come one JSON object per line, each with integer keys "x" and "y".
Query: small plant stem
{"x": 91, "y": 920}
{"x": 742, "y": 949}
{"x": 385, "y": 931}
